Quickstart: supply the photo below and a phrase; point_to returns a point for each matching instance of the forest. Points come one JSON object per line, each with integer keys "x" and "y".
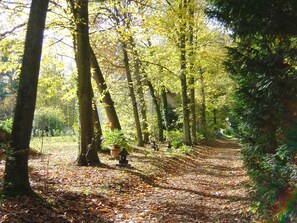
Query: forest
{"x": 148, "y": 111}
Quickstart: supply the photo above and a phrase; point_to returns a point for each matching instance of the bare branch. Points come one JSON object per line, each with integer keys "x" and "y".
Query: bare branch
{"x": 3, "y": 35}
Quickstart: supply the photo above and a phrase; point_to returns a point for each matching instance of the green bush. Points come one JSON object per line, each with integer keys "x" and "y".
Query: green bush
{"x": 48, "y": 120}
{"x": 175, "y": 137}
{"x": 6, "y": 125}
{"x": 114, "y": 138}
{"x": 185, "y": 149}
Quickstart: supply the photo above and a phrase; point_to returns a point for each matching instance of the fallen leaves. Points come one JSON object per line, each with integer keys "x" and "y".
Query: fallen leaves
{"x": 207, "y": 186}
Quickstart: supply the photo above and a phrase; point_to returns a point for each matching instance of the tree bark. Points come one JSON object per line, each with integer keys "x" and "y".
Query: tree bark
{"x": 132, "y": 96}
{"x": 203, "y": 102}
{"x": 87, "y": 155}
{"x": 191, "y": 69}
{"x": 16, "y": 177}
{"x": 97, "y": 128}
{"x": 107, "y": 101}
{"x": 158, "y": 111}
{"x": 142, "y": 102}
{"x": 165, "y": 108}
{"x": 183, "y": 74}
{"x": 139, "y": 91}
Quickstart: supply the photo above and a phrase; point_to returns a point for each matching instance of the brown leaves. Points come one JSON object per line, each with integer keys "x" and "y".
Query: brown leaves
{"x": 205, "y": 187}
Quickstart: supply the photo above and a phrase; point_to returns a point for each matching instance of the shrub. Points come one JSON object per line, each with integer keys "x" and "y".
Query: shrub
{"x": 175, "y": 137}
{"x": 114, "y": 138}
{"x": 48, "y": 120}
{"x": 6, "y": 126}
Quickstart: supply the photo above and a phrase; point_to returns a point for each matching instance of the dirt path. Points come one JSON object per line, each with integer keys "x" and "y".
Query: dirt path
{"x": 210, "y": 189}
{"x": 207, "y": 186}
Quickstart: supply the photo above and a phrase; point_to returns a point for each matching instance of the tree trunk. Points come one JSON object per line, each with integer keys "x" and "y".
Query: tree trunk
{"x": 132, "y": 95}
{"x": 16, "y": 177}
{"x": 192, "y": 78}
{"x": 139, "y": 91}
{"x": 158, "y": 111}
{"x": 107, "y": 101}
{"x": 183, "y": 74}
{"x": 97, "y": 128}
{"x": 88, "y": 155}
{"x": 142, "y": 102}
{"x": 165, "y": 108}
{"x": 203, "y": 102}
{"x": 214, "y": 117}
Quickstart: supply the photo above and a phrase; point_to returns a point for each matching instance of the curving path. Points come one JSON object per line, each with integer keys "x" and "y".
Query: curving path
{"x": 210, "y": 189}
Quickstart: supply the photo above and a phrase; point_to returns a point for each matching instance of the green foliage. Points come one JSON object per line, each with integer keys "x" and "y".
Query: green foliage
{"x": 173, "y": 120}
{"x": 6, "y": 125}
{"x": 48, "y": 120}
{"x": 185, "y": 149}
{"x": 114, "y": 138}
{"x": 175, "y": 137}
{"x": 263, "y": 65}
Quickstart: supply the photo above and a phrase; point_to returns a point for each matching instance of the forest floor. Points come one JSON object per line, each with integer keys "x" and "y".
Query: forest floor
{"x": 206, "y": 186}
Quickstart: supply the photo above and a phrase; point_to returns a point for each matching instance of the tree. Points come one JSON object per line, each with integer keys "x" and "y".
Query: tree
{"x": 263, "y": 64}
{"x": 183, "y": 72}
{"x": 107, "y": 101}
{"x": 191, "y": 72}
{"x": 88, "y": 155}
{"x": 16, "y": 178}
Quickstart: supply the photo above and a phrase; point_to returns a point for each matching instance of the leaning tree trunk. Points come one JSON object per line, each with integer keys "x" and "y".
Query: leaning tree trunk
{"x": 158, "y": 111}
{"x": 141, "y": 102}
{"x": 16, "y": 177}
{"x": 106, "y": 100}
{"x": 139, "y": 91}
{"x": 132, "y": 95}
{"x": 88, "y": 155}
{"x": 183, "y": 76}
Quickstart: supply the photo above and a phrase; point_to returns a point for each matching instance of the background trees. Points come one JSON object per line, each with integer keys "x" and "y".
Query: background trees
{"x": 154, "y": 42}
{"x": 263, "y": 64}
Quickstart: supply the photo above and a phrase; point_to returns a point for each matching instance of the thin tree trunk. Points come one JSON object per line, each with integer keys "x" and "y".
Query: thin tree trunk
{"x": 88, "y": 155}
{"x": 132, "y": 95}
{"x": 16, "y": 177}
{"x": 139, "y": 91}
{"x": 203, "y": 102}
{"x": 106, "y": 100}
{"x": 183, "y": 75}
{"x": 214, "y": 117}
{"x": 192, "y": 78}
{"x": 142, "y": 102}
{"x": 165, "y": 108}
{"x": 97, "y": 128}
{"x": 158, "y": 111}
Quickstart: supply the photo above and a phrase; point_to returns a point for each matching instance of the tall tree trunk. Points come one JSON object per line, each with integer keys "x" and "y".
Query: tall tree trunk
{"x": 158, "y": 111}
{"x": 132, "y": 95}
{"x": 165, "y": 108}
{"x": 16, "y": 177}
{"x": 88, "y": 155}
{"x": 97, "y": 128}
{"x": 214, "y": 117}
{"x": 107, "y": 101}
{"x": 142, "y": 102}
{"x": 191, "y": 69}
{"x": 139, "y": 91}
{"x": 203, "y": 102}
{"x": 183, "y": 74}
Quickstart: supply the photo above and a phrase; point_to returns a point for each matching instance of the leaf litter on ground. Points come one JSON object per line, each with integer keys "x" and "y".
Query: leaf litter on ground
{"x": 206, "y": 186}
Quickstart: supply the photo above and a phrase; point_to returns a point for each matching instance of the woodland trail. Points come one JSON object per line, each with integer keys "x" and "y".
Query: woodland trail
{"x": 207, "y": 186}
{"x": 209, "y": 189}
